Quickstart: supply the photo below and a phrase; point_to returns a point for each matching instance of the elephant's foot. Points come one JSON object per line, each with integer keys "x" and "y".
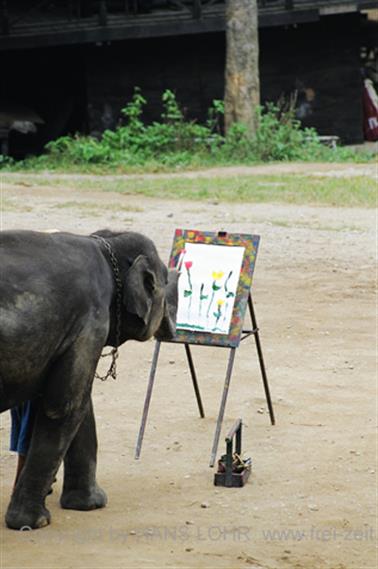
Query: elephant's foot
{"x": 27, "y": 517}
{"x": 83, "y": 499}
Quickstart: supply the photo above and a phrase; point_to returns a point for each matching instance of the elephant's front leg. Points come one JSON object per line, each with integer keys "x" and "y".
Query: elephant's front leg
{"x": 80, "y": 489}
{"x": 63, "y": 407}
{"x": 49, "y": 443}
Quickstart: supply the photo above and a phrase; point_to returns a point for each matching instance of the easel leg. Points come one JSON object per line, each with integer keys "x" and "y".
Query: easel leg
{"x": 194, "y": 380}
{"x": 222, "y": 406}
{"x": 148, "y": 399}
{"x": 261, "y": 360}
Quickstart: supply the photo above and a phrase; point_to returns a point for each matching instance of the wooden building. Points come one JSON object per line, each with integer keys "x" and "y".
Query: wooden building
{"x": 75, "y": 63}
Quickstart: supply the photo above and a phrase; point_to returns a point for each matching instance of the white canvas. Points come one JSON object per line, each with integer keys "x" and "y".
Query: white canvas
{"x": 207, "y": 287}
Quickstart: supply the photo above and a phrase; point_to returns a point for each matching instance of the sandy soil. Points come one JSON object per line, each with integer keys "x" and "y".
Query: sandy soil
{"x": 311, "y": 500}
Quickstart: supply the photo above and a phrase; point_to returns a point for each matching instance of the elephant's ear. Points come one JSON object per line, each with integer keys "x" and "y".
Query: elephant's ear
{"x": 139, "y": 288}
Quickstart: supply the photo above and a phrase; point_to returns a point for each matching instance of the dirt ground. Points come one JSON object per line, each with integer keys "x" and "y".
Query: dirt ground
{"x": 311, "y": 501}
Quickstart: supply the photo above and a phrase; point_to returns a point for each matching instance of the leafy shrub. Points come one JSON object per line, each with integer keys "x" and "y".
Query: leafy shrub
{"x": 5, "y": 161}
{"x": 175, "y": 142}
{"x": 78, "y": 149}
{"x": 280, "y": 136}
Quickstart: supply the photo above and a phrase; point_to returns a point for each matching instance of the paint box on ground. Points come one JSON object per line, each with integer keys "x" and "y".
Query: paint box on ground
{"x": 234, "y": 479}
{"x": 233, "y": 471}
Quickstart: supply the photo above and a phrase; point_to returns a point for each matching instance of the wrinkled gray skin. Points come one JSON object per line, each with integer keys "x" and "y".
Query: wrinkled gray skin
{"x": 57, "y": 312}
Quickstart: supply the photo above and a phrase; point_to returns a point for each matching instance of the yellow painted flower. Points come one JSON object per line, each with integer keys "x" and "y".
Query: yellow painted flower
{"x": 220, "y": 302}
{"x": 217, "y": 275}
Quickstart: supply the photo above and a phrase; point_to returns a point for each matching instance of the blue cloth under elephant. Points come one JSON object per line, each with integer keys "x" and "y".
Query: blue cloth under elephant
{"x": 22, "y": 426}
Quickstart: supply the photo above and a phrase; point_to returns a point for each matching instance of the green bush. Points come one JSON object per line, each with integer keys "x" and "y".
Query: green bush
{"x": 5, "y": 161}
{"x": 280, "y": 136}
{"x": 175, "y": 142}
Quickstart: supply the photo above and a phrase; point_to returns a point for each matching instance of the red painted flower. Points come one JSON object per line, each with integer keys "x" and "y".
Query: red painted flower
{"x": 188, "y": 264}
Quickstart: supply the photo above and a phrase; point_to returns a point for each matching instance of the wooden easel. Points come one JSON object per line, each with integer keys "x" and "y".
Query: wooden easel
{"x": 254, "y": 331}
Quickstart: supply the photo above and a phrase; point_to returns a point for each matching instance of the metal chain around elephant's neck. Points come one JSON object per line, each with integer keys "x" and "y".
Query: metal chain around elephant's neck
{"x": 112, "y": 371}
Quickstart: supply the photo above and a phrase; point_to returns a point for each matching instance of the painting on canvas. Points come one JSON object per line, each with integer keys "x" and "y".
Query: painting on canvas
{"x": 207, "y": 287}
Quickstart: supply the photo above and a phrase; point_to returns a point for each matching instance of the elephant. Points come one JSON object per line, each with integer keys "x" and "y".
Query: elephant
{"x": 63, "y": 297}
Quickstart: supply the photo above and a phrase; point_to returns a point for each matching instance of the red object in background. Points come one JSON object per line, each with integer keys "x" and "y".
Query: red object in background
{"x": 370, "y": 104}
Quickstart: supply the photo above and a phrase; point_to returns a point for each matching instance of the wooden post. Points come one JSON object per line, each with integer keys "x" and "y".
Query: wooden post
{"x": 103, "y": 13}
{"x": 4, "y": 18}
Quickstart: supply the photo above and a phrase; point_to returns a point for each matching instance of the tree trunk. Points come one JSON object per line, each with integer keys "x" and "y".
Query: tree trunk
{"x": 242, "y": 84}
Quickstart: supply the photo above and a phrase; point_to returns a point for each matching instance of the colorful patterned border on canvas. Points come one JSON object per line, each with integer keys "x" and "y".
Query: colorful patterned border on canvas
{"x": 250, "y": 243}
